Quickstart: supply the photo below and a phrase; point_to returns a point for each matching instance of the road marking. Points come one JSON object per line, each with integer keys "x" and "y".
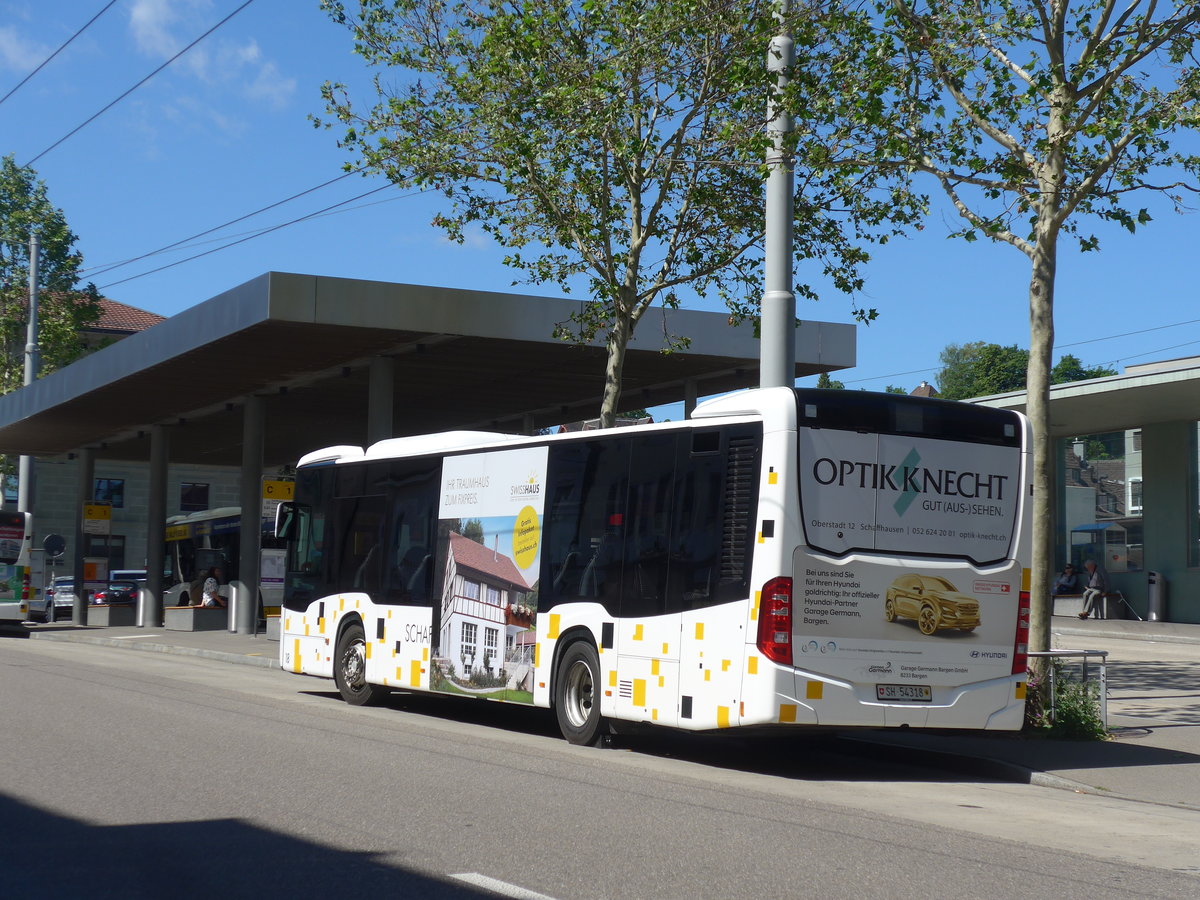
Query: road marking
{"x": 503, "y": 888}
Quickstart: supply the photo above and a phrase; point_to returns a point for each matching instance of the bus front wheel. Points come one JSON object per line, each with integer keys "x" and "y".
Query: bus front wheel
{"x": 577, "y": 695}
{"x": 350, "y": 669}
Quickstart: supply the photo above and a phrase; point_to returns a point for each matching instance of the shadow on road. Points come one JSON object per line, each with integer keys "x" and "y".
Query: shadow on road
{"x": 49, "y": 855}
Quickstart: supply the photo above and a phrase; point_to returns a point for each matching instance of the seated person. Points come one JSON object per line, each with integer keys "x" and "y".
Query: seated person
{"x": 210, "y": 595}
{"x": 1067, "y": 582}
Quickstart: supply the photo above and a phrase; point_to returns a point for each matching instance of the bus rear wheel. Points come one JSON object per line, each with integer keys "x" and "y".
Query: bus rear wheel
{"x": 350, "y": 669}
{"x": 577, "y": 695}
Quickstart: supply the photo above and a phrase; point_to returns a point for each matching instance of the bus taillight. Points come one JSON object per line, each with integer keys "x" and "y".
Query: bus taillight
{"x": 1021, "y": 648}
{"x": 25, "y": 586}
{"x": 775, "y": 621}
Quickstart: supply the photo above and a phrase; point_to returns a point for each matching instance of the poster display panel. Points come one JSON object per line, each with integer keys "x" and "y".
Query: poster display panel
{"x": 490, "y": 516}
{"x": 903, "y": 495}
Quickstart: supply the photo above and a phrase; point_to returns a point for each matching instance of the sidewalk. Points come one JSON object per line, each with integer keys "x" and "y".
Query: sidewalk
{"x": 1153, "y": 709}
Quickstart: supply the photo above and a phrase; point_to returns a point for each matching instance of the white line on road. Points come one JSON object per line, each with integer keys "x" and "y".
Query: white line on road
{"x": 503, "y": 888}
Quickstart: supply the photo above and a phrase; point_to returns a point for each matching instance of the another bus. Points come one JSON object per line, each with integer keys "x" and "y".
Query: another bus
{"x": 16, "y": 540}
{"x": 784, "y": 558}
{"x": 211, "y": 538}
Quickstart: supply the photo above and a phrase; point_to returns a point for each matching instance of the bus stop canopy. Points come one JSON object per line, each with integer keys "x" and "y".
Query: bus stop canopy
{"x": 307, "y": 345}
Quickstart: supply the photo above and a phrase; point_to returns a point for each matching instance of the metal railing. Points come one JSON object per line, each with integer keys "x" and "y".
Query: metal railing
{"x": 1085, "y": 655}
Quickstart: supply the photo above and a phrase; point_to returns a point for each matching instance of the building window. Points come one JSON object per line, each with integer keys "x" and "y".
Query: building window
{"x": 1135, "y": 496}
{"x": 493, "y": 595}
{"x": 193, "y": 496}
{"x": 470, "y": 590}
{"x": 10, "y": 488}
{"x": 109, "y": 490}
{"x": 468, "y": 648}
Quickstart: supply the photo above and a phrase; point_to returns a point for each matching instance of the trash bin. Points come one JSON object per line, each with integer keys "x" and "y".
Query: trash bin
{"x": 1156, "y": 596}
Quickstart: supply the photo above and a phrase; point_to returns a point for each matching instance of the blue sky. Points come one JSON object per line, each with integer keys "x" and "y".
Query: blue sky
{"x": 225, "y": 131}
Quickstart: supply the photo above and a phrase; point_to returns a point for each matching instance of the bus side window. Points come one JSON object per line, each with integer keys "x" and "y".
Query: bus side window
{"x": 413, "y": 487}
{"x": 648, "y": 526}
{"x": 585, "y": 513}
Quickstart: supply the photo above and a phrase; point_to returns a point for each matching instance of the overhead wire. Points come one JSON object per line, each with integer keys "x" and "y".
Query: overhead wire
{"x": 260, "y": 233}
{"x": 108, "y": 267}
{"x": 61, "y": 48}
{"x": 113, "y": 103}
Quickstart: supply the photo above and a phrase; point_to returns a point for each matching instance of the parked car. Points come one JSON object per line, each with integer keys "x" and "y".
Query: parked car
{"x": 55, "y": 601}
{"x": 117, "y": 593}
{"x": 934, "y": 602}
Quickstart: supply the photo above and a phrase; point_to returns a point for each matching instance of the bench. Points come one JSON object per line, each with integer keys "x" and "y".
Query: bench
{"x": 106, "y": 615}
{"x": 1112, "y": 605}
{"x": 195, "y": 618}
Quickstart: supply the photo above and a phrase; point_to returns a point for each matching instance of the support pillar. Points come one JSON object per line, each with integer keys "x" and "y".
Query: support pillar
{"x": 86, "y": 474}
{"x": 689, "y": 397}
{"x": 244, "y": 608}
{"x": 156, "y": 517}
{"x": 381, "y": 399}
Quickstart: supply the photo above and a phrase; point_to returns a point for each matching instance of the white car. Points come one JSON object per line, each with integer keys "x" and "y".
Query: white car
{"x": 55, "y": 602}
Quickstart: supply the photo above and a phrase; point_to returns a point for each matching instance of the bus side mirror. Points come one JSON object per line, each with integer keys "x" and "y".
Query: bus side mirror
{"x": 285, "y": 521}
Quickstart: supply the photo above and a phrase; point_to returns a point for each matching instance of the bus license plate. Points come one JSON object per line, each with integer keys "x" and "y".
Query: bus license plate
{"x": 918, "y": 692}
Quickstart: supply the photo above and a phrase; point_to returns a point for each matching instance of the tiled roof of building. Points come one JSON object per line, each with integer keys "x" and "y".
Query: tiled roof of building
{"x": 121, "y": 317}
{"x": 486, "y": 561}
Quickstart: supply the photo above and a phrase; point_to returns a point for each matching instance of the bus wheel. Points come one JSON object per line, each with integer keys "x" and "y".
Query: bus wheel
{"x": 350, "y": 669}
{"x": 927, "y": 620}
{"x": 576, "y": 695}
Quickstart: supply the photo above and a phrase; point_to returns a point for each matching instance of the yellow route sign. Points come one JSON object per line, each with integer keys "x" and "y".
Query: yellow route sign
{"x": 97, "y": 518}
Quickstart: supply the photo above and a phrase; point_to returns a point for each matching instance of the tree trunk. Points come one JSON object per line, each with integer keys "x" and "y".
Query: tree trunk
{"x": 1041, "y": 348}
{"x": 618, "y": 340}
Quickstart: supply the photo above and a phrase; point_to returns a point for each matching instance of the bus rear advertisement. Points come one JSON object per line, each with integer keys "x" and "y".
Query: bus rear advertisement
{"x": 785, "y": 557}
{"x": 16, "y": 538}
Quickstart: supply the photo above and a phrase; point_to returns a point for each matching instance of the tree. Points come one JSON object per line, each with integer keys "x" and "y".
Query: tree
{"x": 980, "y": 369}
{"x": 63, "y": 311}
{"x": 894, "y": 389}
{"x": 824, "y": 381}
{"x": 618, "y": 142}
{"x": 472, "y": 529}
{"x": 1069, "y": 368}
{"x": 1034, "y": 115}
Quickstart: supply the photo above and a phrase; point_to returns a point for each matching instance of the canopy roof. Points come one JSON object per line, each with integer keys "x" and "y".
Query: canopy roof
{"x": 462, "y": 359}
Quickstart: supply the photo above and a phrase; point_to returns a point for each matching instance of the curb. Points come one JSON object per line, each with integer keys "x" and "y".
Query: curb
{"x": 262, "y": 662}
{"x": 984, "y": 766}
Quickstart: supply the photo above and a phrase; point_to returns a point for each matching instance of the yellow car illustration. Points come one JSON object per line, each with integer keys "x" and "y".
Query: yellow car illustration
{"x": 934, "y": 602}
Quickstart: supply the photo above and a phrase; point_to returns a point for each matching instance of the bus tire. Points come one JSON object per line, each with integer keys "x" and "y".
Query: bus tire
{"x": 577, "y": 695}
{"x": 350, "y": 669}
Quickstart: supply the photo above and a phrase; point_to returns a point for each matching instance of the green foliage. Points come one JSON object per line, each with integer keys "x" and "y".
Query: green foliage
{"x": 621, "y": 142}
{"x": 894, "y": 389}
{"x": 472, "y": 529}
{"x": 1076, "y": 708}
{"x": 979, "y": 369}
{"x": 1069, "y": 368}
{"x": 63, "y": 311}
{"x": 824, "y": 381}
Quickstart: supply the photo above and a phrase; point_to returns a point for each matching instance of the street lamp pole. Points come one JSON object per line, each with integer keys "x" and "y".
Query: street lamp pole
{"x": 777, "y": 332}
{"x": 25, "y": 471}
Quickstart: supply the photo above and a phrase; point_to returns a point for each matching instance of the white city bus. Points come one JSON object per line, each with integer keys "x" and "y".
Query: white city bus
{"x": 211, "y": 538}
{"x": 16, "y": 537}
{"x": 785, "y": 557}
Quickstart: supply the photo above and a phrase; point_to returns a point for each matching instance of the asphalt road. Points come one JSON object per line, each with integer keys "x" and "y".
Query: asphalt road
{"x": 139, "y": 775}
